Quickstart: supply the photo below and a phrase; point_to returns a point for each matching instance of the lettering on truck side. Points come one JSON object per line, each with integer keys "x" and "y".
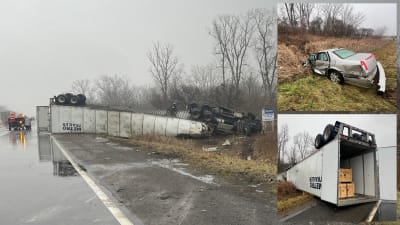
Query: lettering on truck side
{"x": 315, "y": 182}
{"x": 72, "y": 127}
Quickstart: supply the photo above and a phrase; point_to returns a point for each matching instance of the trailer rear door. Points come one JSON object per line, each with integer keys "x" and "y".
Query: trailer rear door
{"x": 42, "y": 118}
{"x": 330, "y": 168}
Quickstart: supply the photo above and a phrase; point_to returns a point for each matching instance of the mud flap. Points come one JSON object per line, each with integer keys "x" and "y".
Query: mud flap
{"x": 382, "y": 78}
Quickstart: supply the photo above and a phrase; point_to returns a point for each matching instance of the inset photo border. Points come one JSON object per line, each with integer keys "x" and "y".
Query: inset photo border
{"x": 337, "y": 57}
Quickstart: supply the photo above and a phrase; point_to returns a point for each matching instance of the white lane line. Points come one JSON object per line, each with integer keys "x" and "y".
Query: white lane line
{"x": 115, "y": 211}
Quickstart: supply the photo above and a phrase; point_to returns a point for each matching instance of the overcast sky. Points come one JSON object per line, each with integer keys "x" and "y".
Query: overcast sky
{"x": 382, "y": 125}
{"x": 47, "y": 44}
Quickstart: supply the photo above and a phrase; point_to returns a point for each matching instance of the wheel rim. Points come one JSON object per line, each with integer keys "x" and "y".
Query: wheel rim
{"x": 335, "y": 77}
{"x": 61, "y": 99}
{"x": 74, "y": 100}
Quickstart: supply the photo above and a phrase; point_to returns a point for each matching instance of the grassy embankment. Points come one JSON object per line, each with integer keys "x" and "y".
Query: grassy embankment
{"x": 247, "y": 158}
{"x": 299, "y": 90}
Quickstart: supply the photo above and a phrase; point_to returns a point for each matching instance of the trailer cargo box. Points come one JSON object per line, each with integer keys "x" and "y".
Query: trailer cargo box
{"x": 344, "y": 170}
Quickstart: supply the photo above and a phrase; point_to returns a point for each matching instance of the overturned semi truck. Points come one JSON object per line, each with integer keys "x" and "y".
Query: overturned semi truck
{"x": 344, "y": 170}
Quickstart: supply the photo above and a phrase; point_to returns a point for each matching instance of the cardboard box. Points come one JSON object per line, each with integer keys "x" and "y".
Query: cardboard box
{"x": 343, "y": 190}
{"x": 350, "y": 190}
{"x": 345, "y": 175}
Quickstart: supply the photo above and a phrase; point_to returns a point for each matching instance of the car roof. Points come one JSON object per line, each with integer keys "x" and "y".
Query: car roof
{"x": 330, "y": 50}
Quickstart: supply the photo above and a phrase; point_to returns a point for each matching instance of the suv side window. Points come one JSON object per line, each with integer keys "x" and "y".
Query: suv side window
{"x": 322, "y": 56}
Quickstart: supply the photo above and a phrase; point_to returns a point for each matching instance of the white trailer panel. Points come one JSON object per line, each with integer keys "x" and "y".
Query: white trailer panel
{"x": 89, "y": 120}
{"x": 42, "y": 118}
{"x": 125, "y": 124}
{"x": 307, "y": 175}
{"x": 101, "y": 121}
{"x": 137, "y": 124}
{"x": 330, "y": 168}
{"x": 65, "y": 119}
{"x": 387, "y": 173}
{"x": 113, "y": 123}
{"x": 148, "y": 124}
{"x": 160, "y": 125}
{"x": 172, "y": 127}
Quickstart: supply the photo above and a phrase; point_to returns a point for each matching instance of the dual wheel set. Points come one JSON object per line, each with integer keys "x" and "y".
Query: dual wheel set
{"x": 327, "y": 136}
{"x": 70, "y": 99}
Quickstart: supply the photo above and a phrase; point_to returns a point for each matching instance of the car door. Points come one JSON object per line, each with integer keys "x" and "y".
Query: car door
{"x": 321, "y": 63}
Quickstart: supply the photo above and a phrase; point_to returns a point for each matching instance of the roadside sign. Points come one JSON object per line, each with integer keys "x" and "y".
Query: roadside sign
{"x": 267, "y": 115}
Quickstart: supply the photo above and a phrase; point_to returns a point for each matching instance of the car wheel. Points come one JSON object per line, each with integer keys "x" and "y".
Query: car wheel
{"x": 319, "y": 141}
{"x": 336, "y": 77}
{"x": 329, "y": 132}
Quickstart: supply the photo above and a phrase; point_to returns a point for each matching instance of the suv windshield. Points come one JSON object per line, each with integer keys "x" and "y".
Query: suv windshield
{"x": 344, "y": 53}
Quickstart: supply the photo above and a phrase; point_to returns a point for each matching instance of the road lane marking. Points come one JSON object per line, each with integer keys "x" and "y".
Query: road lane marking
{"x": 115, "y": 211}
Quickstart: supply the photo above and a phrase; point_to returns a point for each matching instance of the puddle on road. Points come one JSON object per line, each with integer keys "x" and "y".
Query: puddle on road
{"x": 176, "y": 166}
{"x": 386, "y": 212}
{"x": 49, "y": 152}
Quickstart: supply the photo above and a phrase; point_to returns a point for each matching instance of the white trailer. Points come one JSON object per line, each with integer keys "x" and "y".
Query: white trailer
{"x": 85, "y": 119}
{"x": 341, "y": 146}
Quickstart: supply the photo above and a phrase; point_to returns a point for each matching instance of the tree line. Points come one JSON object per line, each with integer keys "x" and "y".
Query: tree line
{"x": 302, "y": 145}
{"x": 331, "y": 19}
{"x": 241, "y": 76}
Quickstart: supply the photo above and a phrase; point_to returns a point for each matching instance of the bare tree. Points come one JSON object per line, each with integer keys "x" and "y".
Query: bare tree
{"x": 302, "y": 143}
{"x": 164, "y": 65}
{"x": 233, "y": 35}
{"x": 291, "y": 156}
{"x": 265, "y": 49}
{"x": 283, "y": 138}
{"x": 84, "y": 86}
{"x": 305, "y": 11}
{"x": 291, "y": 13}
{"x": 116, "y": 91}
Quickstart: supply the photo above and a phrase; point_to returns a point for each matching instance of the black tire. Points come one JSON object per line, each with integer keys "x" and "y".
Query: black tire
{"x": 74, "y": 100}
{"x": 81, "y": 99}
{"x": 319, "y": 141}
{"x": 336, "y": 77}
{"x": 329, "y": 133}
{"x": 68, "y": 97}
{"x": 61, "y": 99}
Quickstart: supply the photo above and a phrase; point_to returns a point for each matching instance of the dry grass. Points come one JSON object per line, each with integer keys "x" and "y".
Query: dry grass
{"x": 227, "y": 162}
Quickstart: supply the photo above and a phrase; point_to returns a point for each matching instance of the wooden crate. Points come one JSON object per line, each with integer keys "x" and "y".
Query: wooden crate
{"x": 343, "y": 190}
{"x": 345, "y": 175}
{"x": 350, "y": 190}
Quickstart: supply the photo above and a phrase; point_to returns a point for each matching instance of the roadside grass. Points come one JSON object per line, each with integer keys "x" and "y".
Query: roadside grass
{"x": 289, "y": 197}
{"x": 225, "y": 162}
{"x": 307, "y": 92}
{"x": 317, "y": 93}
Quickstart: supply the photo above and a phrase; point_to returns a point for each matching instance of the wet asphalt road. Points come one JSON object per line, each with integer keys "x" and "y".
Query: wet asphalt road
{"x": 41, "y": 187}
{"x": 163, "y": 191}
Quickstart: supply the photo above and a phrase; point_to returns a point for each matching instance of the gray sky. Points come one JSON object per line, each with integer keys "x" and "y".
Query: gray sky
{"x": 47, "y": 44}
{"x": 376, "y": 15}
{"x": 382, "y": 125}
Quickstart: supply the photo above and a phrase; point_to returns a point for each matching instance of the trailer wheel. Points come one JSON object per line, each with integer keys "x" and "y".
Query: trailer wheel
{"x": 61, "y": 99}
{"x": 74, "y": 100}
{"x": 319, "y": 141}
{"x": 81, "y": 99}
{"x": 329, "y": 132}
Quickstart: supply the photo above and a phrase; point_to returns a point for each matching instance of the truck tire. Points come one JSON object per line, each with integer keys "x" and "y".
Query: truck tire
{"x": 68, "y": 97}
{"x": 74, "y": 100}
{"x": 61, "y": 99}
{"x": 329, "y": 133}
{"x": 319, "y": 141}
{"x": 81, "y": 99}
{"x": 336, "y": 77}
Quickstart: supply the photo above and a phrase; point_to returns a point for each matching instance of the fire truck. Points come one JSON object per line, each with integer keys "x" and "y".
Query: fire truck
{"x": 16, "y": 123}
